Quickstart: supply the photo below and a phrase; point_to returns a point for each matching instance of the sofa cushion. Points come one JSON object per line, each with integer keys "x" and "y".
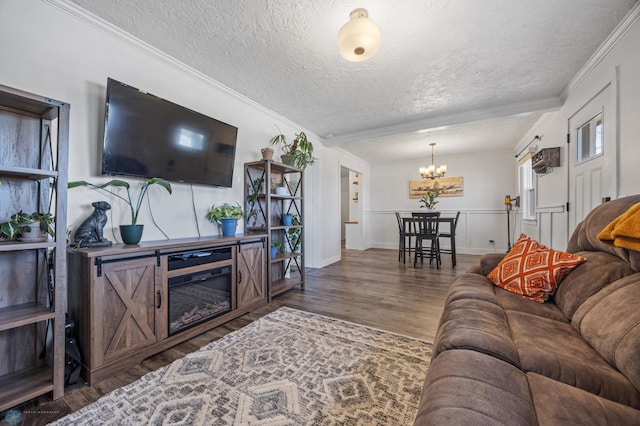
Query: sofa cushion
{"x": 600, "y": 270}
{"x": 610, "y": 322}
{"x": 533, "y": 270}
{"x": 469, "y": 388}
{"x": 478, "y": 325}
{"x": 489, "y": 261}
{"x": 585, "y": 236}
{"x": 471, "y": 286}
{"x": 513, "y": 302}
{"x": 560, "y": 404}
{"x": 556, "y": 350}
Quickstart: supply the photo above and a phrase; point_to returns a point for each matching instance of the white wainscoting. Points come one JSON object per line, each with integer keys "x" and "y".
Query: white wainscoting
{"x": 549, "y": 228}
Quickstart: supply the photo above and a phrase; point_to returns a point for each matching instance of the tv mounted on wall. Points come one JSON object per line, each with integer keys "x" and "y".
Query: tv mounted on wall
{"x": 148, "y": 136}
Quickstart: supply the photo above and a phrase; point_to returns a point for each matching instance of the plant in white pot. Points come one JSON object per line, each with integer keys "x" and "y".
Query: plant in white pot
{"x": 27, "y": 227}
{"x": 429, "y": 201}
{"x": 227, "y": 215}
{"x": 131, "y": 234}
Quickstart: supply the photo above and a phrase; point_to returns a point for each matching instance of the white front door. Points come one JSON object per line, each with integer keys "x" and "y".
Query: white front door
{"x": 592, "y": 154}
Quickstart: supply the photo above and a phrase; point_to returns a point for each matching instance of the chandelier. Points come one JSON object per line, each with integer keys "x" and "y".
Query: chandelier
{"x": 433, "y": 172}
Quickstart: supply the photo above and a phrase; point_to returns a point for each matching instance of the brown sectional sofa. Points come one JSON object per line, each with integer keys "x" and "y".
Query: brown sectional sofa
{"x": 500, "y": 359}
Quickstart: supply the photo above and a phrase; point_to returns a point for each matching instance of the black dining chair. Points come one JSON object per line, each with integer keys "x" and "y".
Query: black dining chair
{"x": 425, "y": 227}
{"x": 452, "y": 236}
{"x": 405, "y": 232}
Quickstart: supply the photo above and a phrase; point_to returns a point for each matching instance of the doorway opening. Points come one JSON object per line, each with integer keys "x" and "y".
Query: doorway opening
{"x": 351, "y": 209}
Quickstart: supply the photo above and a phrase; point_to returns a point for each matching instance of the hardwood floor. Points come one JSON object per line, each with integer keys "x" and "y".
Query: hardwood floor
{"x": 367, "y": 287}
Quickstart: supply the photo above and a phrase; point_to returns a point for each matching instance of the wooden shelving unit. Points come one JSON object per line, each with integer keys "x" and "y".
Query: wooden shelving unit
{"x": 265, "y": 208}
{"x": 34, "y": 134}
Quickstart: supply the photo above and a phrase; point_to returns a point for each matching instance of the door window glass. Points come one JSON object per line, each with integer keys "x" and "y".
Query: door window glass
{"x": 589, "y": 139}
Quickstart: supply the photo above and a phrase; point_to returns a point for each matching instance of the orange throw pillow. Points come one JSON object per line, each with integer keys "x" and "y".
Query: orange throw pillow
{"x": 532, "y": 270}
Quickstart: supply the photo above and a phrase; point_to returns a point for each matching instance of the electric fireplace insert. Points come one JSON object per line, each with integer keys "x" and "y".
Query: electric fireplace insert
{"x": 199, "y": 294}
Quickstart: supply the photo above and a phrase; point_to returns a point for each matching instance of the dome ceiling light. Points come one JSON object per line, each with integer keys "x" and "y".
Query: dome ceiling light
{"x": 359, "y": 39}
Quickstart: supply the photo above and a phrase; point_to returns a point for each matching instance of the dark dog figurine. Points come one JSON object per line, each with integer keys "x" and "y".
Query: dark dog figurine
{"x": 89, "y": 233}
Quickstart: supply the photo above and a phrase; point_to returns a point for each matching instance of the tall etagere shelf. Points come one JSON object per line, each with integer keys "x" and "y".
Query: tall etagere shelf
{"x": 34, "y": 132}
{"x": 273, "y": 189}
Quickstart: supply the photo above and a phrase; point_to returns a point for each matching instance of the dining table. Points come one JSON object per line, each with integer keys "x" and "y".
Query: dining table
{"x": 441, "y": 219}
{"x": 450, "y": 220}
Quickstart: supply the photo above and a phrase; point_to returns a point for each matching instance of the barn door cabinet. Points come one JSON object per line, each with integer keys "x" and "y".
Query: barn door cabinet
{"x": 122, "y": 315}
{"x": 33, "y": 163}
{"x": 252, "y": 271}
{"x": 121, "y": 299}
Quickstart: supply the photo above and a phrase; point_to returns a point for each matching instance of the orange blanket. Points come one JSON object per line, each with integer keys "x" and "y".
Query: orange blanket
{"x": 624, "y": 231}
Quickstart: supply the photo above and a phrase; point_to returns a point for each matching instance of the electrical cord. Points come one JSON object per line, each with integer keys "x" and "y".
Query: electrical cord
{"x": 195, "y": 215}
{"x": 113, "y": 229}
{"x": 153, "y": 219}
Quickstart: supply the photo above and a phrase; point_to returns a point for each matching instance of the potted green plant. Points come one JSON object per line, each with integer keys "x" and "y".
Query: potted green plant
{"x": 227, "y": 215}
{"x": 21, "y": 226}
{"x": 294, "y": 233}
{"x": 255, "y": 189}
{"x": 428, "y": 199}
{"x": 298, "y": 153}
{"x": 276, "y": 248}
{"x": 287, "y": 219}
{"x": 131, "y": 234}
{"x": 9, "y": 230}
{"x": 46, "y": 221}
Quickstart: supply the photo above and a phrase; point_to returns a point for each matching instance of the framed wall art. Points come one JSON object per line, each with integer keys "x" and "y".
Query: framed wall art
{"x": 446, "y": 186}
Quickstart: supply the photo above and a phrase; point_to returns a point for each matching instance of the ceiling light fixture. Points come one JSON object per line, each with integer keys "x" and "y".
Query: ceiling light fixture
{"x": 433, "y": 172}
{"x": 359, "y": 39}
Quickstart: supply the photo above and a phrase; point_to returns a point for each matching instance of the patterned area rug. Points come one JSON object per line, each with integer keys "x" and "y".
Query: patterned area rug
{"x": 287, "y": 368}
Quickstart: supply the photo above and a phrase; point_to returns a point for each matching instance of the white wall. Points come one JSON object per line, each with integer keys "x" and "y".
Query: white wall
{"x": 618, "y": 64}
{"x": 49, "y": 52}
{"x": 488, "y": 177}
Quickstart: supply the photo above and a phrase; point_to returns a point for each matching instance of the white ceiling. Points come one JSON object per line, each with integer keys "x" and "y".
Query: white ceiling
{"x": 486, "y": 69}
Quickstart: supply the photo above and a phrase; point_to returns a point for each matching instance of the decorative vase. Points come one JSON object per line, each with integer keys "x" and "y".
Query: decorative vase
{"x": 131, "y": 234}
{"x": 282, "y": 190}
{"x": 274, "y": 252}
{"x": 267, "y": 153}
{"x": 229, "y": 226}
{"x": 287, "y": 219}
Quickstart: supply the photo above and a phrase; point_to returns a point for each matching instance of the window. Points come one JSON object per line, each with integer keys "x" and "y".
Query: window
{"x": 527, "y": 190}
{"x": 589, "y": 139}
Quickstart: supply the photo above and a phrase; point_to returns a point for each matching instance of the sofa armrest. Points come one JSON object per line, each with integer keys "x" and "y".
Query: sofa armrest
{"x": 487, "y": 263}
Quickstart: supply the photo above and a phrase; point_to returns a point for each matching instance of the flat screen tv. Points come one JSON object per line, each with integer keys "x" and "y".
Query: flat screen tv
{"x": 148, "y": 136}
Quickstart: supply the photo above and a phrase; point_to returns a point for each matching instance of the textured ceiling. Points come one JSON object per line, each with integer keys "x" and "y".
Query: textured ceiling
{"x": 439, "y": 58}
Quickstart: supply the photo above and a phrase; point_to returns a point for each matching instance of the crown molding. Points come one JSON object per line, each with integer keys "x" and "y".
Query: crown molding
{"x": 119, "y": 34}
{"x": 610, "y": 42}
{"x": 536, "y": 105}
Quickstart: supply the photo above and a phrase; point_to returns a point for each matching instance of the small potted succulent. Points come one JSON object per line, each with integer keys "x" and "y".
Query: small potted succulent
{"x": 227, "y": 215}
